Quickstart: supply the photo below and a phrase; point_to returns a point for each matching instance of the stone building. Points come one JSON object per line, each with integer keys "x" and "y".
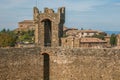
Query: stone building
{"x": 25, "y": 25}
{"x": 107, "y": 39}
{"x": 72, "y": 41}
{"x": 92, "y": 42}
{"x": 82, "y": 33}
{"x": 49, "y": 26}
{"x": 118, "y": 40}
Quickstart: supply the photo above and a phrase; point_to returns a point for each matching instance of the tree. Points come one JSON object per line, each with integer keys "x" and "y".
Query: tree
{"x": 26, "y": 36}
{"x": 82, "y": 29}
{"x": 8, "y": 30}
{"x": 113, "y": 40}
{"x": 100, "y": 36}
{"x": 3, "y": 30}
{"x": 7, "y": 38}
{"x": 10, "y": 38}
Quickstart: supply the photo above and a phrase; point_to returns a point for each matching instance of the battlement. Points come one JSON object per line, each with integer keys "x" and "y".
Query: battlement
{"x": 61, "y": 10}
{"x": 47, "y": 10}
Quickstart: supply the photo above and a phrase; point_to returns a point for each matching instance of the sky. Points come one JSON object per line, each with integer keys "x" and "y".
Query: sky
{"x": 87, "y": 14}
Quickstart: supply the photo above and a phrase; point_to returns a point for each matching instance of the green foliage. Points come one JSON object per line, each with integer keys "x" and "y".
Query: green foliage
{"x": 7, "y": 38}
{"x": 10, "y": 38}
{"x": 64, "y": 35}
{"x": 82, "y": 29}
{"x": 26, "y": 36}
{"x": 100, "y": 36}
{"x": 113, "y": 40}
{"x": 3, "y": 31}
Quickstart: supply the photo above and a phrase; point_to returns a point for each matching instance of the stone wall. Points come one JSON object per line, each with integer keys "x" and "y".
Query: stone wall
{"x": 85, "y": 64}
{"x": 21, "y": 64}
{"x": 63, "y": 64}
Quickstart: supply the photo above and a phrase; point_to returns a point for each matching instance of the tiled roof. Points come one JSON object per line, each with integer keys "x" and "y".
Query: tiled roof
{"x": 75, "y": 31}
{"x": 118, "y": 34}
{"x": 89, "y": 31}
{"x": 27, "y": 21}
{"x": 92, "y": 40}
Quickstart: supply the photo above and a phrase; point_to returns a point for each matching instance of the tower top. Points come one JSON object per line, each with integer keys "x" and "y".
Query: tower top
{"x": 49, "y": 26}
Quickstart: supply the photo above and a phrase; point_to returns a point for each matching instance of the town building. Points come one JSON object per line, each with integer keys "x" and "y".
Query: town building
{"x": 72, "y": 41}
{"x": 82, "y": 33}
{"x": 107, "y": 39}
{"x": 25, "y": 25}
{"x": 118, "y": 40}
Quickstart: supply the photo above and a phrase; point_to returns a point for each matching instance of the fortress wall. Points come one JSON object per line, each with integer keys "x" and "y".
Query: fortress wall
{"x": 85, "y": 64}
{"x": 21, "y": 64}
{"x": 65, "y": 64}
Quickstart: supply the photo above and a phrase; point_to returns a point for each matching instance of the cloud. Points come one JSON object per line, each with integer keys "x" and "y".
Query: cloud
{"x": 78, "y": 12}
{"x": 78, "y": 5}
{"x": 10, "y": 4}
{"x": 117, "y": 4}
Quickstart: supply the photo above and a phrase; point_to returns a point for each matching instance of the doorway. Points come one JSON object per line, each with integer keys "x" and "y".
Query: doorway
{"x": 46, "y": 67}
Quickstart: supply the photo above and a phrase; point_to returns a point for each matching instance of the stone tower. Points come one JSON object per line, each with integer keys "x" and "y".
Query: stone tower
{"x": 49, "y": 26}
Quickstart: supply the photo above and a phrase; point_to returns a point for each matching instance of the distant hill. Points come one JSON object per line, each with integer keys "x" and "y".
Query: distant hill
{"x": 112, "y": 32}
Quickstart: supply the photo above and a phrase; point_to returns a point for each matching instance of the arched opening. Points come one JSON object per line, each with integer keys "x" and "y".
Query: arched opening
{"x": 47, "y": 32}
{"x": 46, "y": 67}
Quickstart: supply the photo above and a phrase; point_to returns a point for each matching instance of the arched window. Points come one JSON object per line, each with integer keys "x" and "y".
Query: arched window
{"x": 47, "y": 32}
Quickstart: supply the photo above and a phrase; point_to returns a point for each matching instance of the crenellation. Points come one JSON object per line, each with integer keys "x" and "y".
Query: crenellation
{"x": 47, "y": 10}
{"x": 61, "y": 10}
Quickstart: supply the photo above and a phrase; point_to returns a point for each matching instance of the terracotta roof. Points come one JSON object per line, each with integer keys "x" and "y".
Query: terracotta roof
{"x": 89, "y": 31}
{"x": 118, "y": 34}
{"x": 92, "y": 40}
{"x": 75, "y": 31}
{"x": 26, "y": 21}
{"x": 65, "y": 28}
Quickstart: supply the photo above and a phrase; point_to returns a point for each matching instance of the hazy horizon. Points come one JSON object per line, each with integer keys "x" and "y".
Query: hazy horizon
{"x": 88, "y": 14}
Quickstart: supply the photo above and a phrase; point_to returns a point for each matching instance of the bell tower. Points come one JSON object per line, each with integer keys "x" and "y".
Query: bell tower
{"x": 48, "y": 26}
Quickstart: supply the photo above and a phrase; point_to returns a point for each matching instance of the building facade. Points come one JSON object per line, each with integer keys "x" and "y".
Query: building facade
{"x": 107, "y": 39}
{"x": 118, "y": 40}
{"x": 25, "y": 25}
{"x": 74, "y": 42}
{"x": 82, "y": 33}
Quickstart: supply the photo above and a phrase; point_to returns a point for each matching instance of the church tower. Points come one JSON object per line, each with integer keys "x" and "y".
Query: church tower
{"x": 49, "y": 26}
